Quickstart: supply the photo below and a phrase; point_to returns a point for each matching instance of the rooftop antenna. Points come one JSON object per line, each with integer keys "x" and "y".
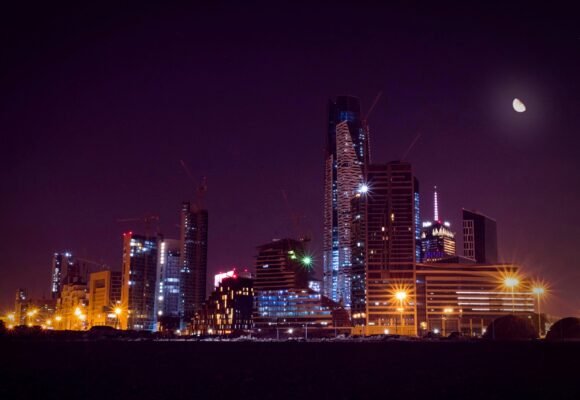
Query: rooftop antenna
{"x": 435, "y": 205}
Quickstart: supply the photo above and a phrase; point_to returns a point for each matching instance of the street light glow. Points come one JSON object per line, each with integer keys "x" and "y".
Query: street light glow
{"x": 401, "y": 295}
{"x": 538, "y": 290}
{"x": 511, "y": 282}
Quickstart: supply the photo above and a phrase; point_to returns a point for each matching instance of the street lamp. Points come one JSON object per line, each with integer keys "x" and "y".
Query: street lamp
{"x": 511, "y": 282}
{"x": 29, "y": 315}
{"x": 58, "y": 318}
{"x": 539, "y": 290}
{"x": 118, "y": 312}
{"x": 400, "y": 296}
{"x": 446, "y": 311}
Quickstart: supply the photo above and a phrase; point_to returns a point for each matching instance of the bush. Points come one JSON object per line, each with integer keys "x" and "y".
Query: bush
{"x": 566, "y": 328}
{"x": 510, "y": 327}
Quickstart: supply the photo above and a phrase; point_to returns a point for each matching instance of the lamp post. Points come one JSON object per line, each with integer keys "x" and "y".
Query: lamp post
{"x": 446, "y": 311}
{"x": 400, "y": 296}
{"x": 539, "y": 291}
{"x": 58, "y": 318}
{"x": 511, "y": 282}
{"x": 118, "y": 312}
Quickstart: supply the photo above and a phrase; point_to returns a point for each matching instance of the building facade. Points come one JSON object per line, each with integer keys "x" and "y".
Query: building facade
{"x": 193, "y": 260}
{"x": 71, "y": 309}
{"x": 384, "y": 249}
{"x": 297, "y": 308}
{"x": 285, "y": 291}
{"x": 457, "y": 297}
{"x": 21, "y": 303}
{"x": 229, "y": 307}
{"x": 61, "y": 263}
{"x": 347, "y": 154}
{"x": 168, "y": 284}
{"x": 280, "y": 266}
{"x": 104, "y": 296}
{"x": 437, "y": 239}
{"x": 139, "y": 275}
{"x": 479, "y": 237}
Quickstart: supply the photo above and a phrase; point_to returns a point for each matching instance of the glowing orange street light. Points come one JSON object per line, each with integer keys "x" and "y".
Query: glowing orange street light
{"x": 446, "y": 311}
{"x": 401, "y": 295}
{"x": 511, "y": 282}
{"x": 539, "y": 289}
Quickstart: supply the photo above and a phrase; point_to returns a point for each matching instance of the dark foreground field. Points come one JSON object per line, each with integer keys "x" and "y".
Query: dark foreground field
{"x": 202, "y": 370}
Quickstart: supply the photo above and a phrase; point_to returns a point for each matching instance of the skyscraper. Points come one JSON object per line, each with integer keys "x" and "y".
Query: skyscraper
{"x": 61, "y": 264}
{"x": 347, "y": 153}
{"x": 280, "y": 266}
{"x": 194, "y": 230}
{"x": 437, "y": 239}
{"x": 20, "y": 306}
{"x": 479, "y": 237}
{"x": 139, "y": 278}
{"x": 168, "y": 283}
{"x": 384, "y": 248}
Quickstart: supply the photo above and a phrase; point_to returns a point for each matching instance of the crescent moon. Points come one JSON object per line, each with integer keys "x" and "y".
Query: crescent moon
{"x": 518, "y": 105}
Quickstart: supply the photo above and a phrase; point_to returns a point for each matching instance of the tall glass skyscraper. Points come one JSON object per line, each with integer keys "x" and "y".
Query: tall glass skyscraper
{"x": 139, "y": 276}
{"x": 194, "y": 229}
{"x": 384, "y": 248}
{"x": 168, "y": 285}
{"x": 61, "y": 263}
{"x": 347, "y": 154}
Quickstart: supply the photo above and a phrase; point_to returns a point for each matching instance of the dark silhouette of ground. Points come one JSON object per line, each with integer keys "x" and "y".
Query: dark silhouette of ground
{"x": 105, "y": 369}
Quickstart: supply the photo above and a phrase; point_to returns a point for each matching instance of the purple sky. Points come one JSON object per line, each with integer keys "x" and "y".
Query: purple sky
{"x": 98, "y": 105}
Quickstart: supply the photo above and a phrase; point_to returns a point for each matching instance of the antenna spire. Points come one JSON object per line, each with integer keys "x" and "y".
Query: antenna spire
{"x": 435, "y": 206}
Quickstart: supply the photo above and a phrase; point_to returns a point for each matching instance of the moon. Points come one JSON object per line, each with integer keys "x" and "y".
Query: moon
{"x": 518, "y": 105}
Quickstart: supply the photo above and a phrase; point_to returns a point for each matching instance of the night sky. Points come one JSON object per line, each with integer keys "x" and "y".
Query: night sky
{"x": 98, "y": 106}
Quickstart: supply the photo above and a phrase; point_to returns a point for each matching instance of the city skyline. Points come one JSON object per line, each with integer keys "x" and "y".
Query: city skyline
{"x": 482, "y": 156}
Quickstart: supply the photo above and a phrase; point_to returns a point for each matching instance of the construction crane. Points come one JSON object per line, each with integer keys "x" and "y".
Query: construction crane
{"x": 365, "y": 124}
{"x": 372, "y": 107}
{"x": 147, "y": 220}
{"x": 201, "y": 188}
{"x": 295, "y": 217}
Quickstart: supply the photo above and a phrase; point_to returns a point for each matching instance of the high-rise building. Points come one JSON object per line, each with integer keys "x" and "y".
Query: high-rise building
{"x": 138, "y": 282}
{"x": 281, "y": 265}
{"x": 61, "y": 263}
{"x": 283, "y": 293}
{"x": 384, "y": 249}
{"x": 168, "y": 283}
{"x": 21, "y": 303}
{"x": 347, "y": 153}
{"x": 229, "y": 307}
{"x": 103, "y": 298}
{"x": 437, "y": 239}
{"x": 193, "y": 274}
{"x": 479, "y": 237}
